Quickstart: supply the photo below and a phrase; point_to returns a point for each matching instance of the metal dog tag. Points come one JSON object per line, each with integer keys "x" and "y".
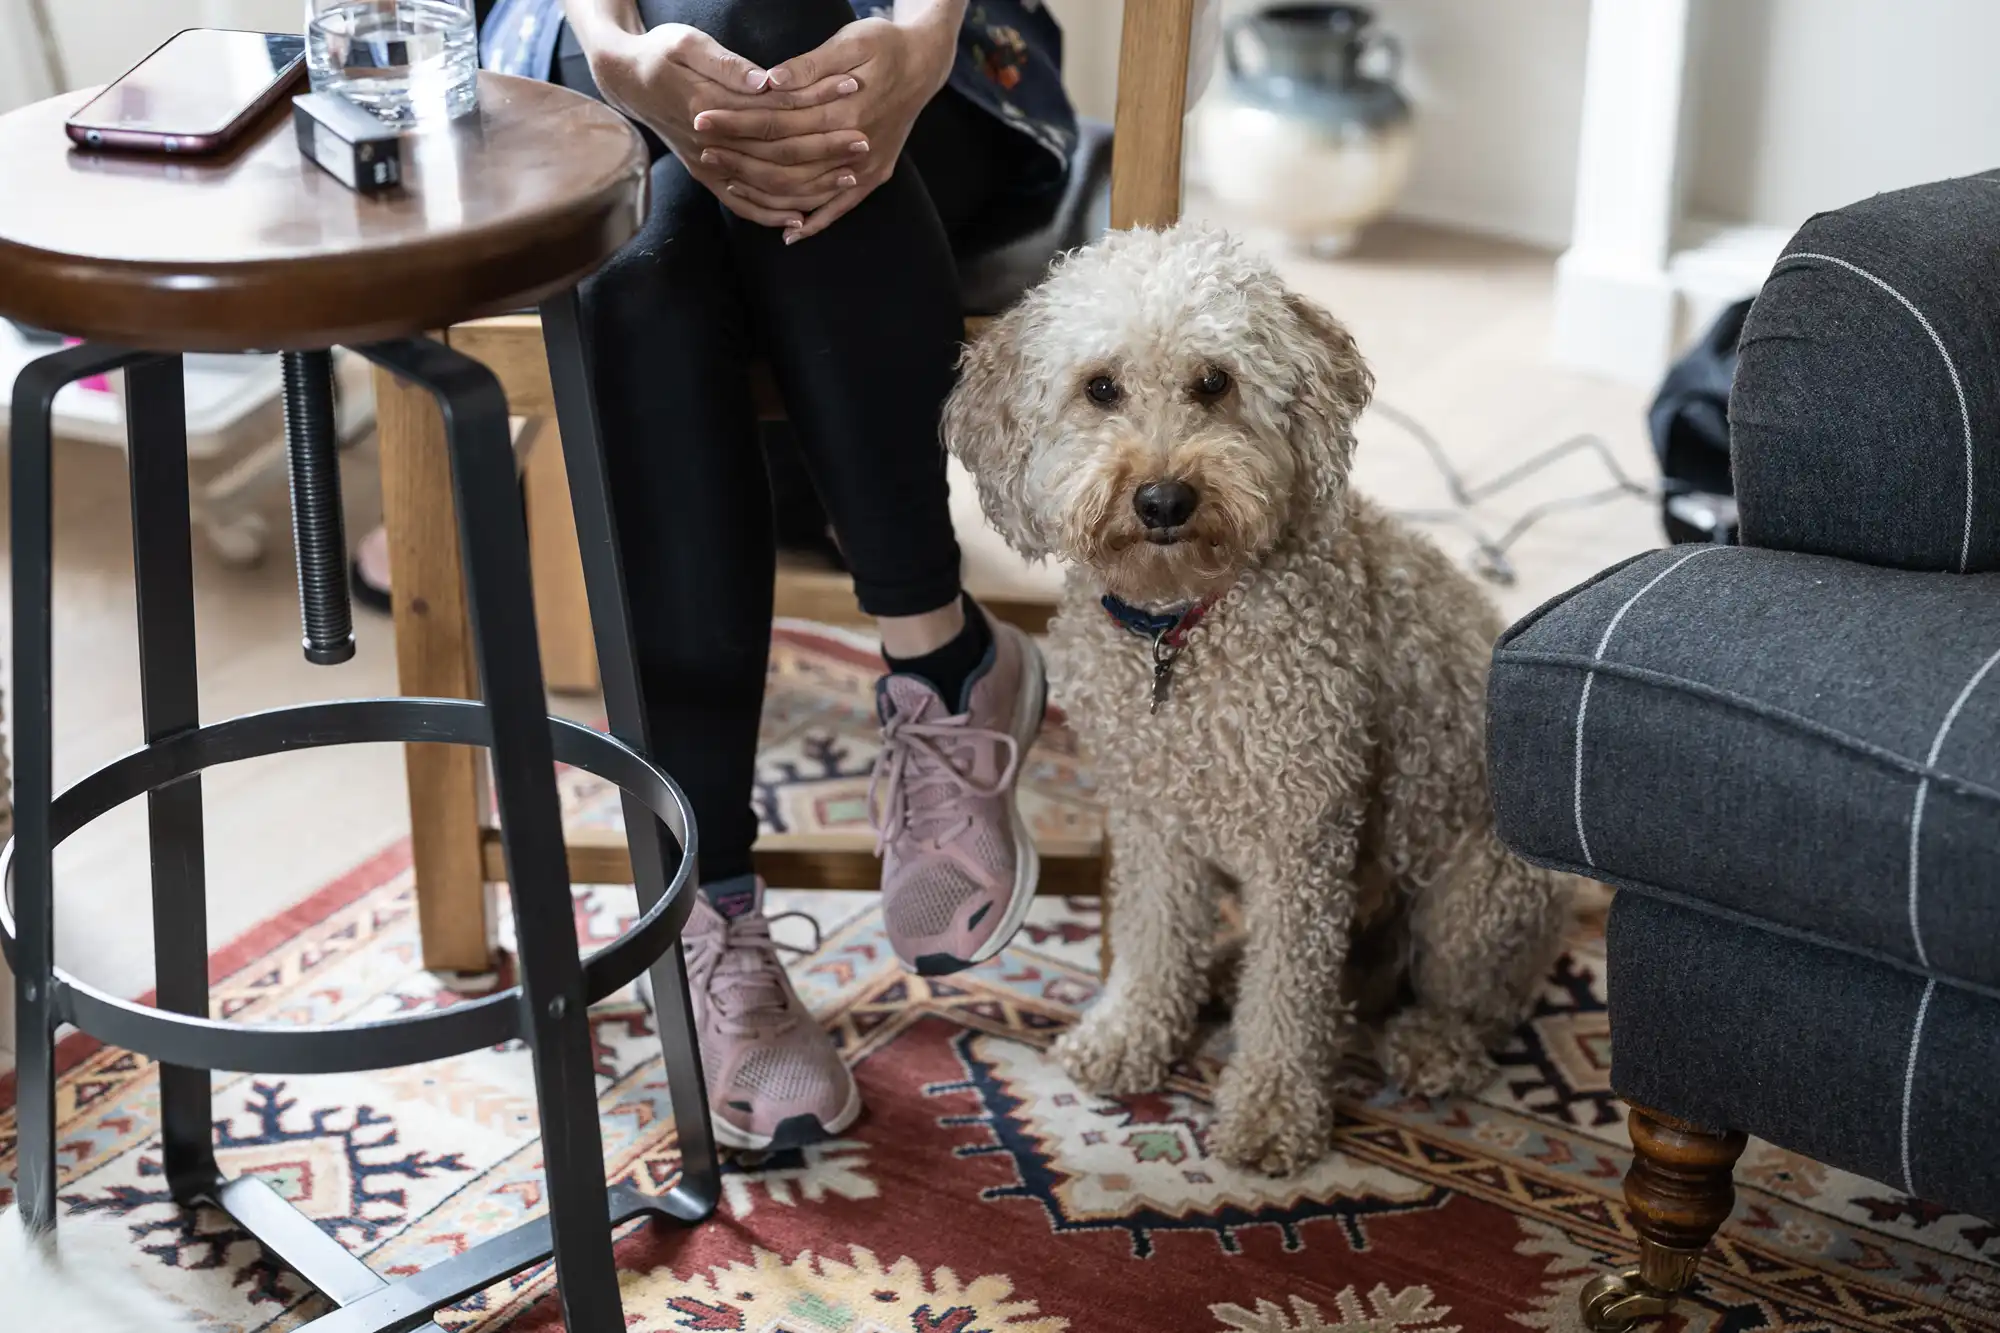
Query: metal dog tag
{"x": 1164, "y": 658}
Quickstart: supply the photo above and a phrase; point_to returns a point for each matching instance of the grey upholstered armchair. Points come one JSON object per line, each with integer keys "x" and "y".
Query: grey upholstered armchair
{"x": 1786, "y": 755}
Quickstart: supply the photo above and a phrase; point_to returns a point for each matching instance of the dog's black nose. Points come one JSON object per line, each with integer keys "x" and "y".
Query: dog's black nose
{"x": 1165, "y": 504}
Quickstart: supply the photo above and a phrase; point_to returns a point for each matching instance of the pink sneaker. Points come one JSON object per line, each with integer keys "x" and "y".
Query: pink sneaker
{"x": 958, "y": 863}
{"x": 774, "y": 1078}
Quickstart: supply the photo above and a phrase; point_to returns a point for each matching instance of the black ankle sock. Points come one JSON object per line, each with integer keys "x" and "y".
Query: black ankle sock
{"x": 950, "y": 667}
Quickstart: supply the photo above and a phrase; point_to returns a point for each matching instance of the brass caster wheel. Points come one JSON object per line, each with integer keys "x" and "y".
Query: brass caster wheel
{"x": 1614, "y": 1302}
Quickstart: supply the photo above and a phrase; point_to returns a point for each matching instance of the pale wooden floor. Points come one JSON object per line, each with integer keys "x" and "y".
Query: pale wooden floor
{"x": 1455, "y": 326}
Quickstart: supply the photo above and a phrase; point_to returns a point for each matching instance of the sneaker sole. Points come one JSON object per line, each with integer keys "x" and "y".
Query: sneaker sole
{"x": 1029, "y": 709}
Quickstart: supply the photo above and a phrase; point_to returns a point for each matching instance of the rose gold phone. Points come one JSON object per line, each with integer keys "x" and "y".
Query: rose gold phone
{"x": 195, "y": 94}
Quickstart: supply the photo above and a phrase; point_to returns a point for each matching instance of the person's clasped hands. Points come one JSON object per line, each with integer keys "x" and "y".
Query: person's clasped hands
{"x": 801, "y": 144}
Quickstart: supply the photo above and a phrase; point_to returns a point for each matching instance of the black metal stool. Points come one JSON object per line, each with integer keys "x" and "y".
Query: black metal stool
{"x": 548, "y": 1008}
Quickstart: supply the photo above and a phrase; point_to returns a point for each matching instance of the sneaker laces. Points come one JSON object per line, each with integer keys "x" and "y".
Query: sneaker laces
{"x": 744, "y": 979}
{"x": 924, "y": 788}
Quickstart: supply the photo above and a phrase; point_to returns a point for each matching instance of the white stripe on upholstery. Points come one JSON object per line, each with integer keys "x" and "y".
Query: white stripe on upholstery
{"x": 1950, "y": 368}
{"x": 1583, "y": 702}
{"x": 1923, "y": 793}
{"x": 1910, "y": 1079}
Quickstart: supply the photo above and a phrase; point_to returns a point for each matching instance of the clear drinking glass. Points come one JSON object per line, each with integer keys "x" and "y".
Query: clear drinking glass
{"x": 405, "y": 60}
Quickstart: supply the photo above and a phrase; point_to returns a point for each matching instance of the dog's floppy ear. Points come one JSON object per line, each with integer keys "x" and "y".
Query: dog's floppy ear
{"x": 989, "y": 421}
{"x": 1333, "y": 387}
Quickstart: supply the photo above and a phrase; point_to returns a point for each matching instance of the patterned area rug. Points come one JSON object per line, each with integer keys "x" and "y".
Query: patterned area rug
{"x": 981, "y": 1193}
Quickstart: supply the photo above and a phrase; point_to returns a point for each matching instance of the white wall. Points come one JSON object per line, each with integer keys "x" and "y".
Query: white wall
{"x": 1498, "y": 86}
{"x": 1804, "y": 105}
{"x": 24, "y": 71}
{"x": 1795, "y": 105}
{"x": 1090, "y": 53}
{"x": 1498, "y": 89}
{"x": 101, "y": 39}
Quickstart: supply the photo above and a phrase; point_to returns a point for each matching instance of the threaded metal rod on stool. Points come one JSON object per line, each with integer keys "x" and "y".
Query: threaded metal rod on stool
{"x": 312, "y": 450}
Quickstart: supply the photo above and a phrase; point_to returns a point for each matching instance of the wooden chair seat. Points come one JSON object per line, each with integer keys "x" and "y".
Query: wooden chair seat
{"x": 456, "y": 852}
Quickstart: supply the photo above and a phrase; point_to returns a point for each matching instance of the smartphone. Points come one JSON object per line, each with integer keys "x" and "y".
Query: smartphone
{"x": 195, "y": 94}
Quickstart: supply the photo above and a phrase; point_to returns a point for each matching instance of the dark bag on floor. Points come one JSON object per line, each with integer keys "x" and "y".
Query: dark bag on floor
{"x": 1689, "y": 421}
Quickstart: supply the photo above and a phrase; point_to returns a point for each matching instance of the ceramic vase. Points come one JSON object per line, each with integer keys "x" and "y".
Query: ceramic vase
{"x": 1309, "y": 136}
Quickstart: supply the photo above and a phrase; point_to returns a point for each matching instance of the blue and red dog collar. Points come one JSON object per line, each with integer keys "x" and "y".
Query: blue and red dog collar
{"x": 1169, "y": 628}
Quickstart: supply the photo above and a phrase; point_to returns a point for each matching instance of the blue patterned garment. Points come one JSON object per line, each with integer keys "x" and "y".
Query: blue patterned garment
{"x": 1009, "y": 65}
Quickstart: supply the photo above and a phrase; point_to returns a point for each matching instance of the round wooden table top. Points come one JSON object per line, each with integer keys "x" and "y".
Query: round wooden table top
{"x": 260, "y": 249}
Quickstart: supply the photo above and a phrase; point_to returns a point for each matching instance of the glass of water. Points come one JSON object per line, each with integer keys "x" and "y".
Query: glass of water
{"x": 407, "y": 61}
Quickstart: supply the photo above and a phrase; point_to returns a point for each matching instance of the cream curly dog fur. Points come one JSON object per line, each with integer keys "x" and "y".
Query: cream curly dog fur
{"x": 1323, "y": 747}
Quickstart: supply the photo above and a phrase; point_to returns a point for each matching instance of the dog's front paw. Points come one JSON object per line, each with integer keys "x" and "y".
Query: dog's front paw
{"x": 1431, "y": 1054}
{"x": 1115, "y": 1051}
{"x": 1277, "y": 1121}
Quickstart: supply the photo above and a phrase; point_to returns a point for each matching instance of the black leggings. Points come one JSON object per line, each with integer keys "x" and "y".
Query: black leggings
{"x": 861, "y": 326}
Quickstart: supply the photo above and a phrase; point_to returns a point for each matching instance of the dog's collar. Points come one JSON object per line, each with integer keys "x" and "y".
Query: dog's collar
{"x": 1169, "y": 628}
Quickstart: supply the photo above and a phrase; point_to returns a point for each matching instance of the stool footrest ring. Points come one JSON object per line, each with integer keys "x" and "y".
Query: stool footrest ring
{"x": 204, "y": 1043}
{"x": 370, "y": 1303}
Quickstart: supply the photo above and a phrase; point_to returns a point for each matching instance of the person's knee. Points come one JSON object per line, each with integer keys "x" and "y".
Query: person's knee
{"x": 671, "y": 269}
{"x": 758, "y": 30}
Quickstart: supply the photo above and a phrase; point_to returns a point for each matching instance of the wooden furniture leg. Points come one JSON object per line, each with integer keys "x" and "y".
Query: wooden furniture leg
{"x": 434, "y": 657}
{"x": 1152, "y": 102}
{"x": 1680, "y": 1192}
{"x": 1104, "y": 909}
{"x": 562, "y": 611}
{"x": 6, "y": 975}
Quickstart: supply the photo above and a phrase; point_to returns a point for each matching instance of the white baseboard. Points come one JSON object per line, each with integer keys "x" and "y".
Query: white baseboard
{"x": 1717, "y": 263}
{"x": 1629, "y": 323}
{"x": 1613, "y": 321}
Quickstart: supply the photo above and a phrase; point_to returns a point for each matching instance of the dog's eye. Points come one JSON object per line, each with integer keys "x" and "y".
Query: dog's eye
{"x": 1214, "y": 382}
{"x": 1103, "y": 390}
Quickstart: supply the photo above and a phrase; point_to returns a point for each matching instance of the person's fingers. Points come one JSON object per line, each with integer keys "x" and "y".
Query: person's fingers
{"x": 841, "y": 53}
{"x": 727, "y": 123}
{"x": 829, "y": 89}
{"x": 840, "y": 178}
{"x": 836, "y": 147}
{"x": 817, "y": 176}
{"x": 709, "y": 95}
{"x": 779, "y": 203}
{"x": 712, "y": 60}
{"x": 789, "y": 219}
{"x": 833, "y": 211}
{"x": 742, "y": 206}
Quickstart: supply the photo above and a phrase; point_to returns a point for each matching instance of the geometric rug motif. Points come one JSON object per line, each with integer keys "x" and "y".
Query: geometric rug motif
{"x": 981, "y": 1192}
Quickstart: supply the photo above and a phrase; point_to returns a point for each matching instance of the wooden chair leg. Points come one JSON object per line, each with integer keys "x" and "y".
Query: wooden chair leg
{"x": 6, "y": 1016}
{"x": 562, "y": 610}
{"x": 1104, "y": 911}
{"x": 434, "y": 657}
{"x": 6, "y": 976}
{"x": 1680, "y": 1191}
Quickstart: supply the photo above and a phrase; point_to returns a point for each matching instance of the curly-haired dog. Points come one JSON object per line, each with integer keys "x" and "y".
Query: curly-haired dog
{"x": 1168, "y": 420}
{"x": 82, "y": 1277}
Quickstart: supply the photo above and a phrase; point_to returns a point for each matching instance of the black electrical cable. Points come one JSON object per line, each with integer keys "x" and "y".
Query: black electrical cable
{"x": 1490, "y": 556}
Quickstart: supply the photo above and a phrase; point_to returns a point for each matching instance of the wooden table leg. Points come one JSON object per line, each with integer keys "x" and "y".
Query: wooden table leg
{"x": 434, "y": 657}
{"x": 562, "y": 607}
